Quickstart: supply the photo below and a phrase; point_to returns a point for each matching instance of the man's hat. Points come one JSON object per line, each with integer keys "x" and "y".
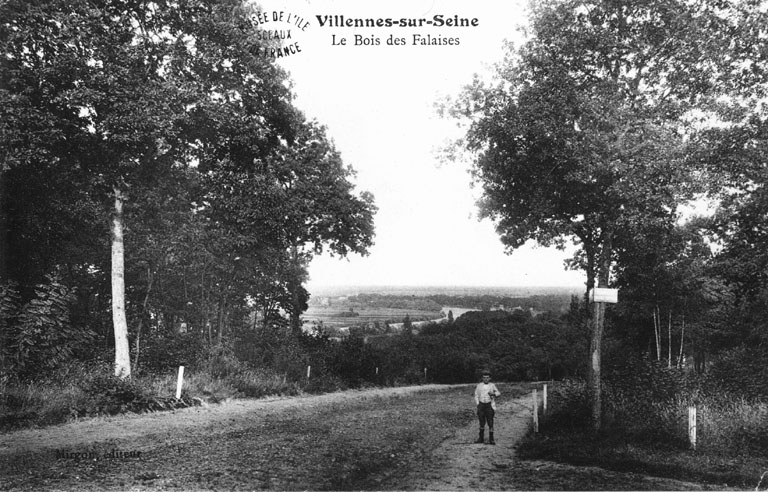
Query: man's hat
{"x": 485, "y": 372}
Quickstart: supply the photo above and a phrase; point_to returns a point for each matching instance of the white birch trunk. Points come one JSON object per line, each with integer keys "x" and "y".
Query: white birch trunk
{"x": 119, "y": 321}
{"x": 657, "y": 331}
{"x": 682, "y": 340}
{"x": 669, "y": 340}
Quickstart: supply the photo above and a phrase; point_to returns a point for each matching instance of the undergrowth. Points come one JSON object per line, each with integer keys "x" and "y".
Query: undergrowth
{"x": 645, "y": 429}
{"x": 87, "y": 390}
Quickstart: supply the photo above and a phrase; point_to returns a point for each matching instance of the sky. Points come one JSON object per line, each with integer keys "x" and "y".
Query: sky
{"x": 378, "y": 102}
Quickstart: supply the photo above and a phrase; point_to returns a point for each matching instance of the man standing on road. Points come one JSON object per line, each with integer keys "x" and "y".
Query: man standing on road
{"x": 485, "y": 399}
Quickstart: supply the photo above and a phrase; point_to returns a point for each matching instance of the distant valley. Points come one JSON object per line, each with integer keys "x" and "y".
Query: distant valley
{"x": 384, "y": 309}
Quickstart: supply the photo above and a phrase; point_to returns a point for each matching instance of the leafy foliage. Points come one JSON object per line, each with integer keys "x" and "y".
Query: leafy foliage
{"x": 513, "y": 345}
{"x": 355, "y": 361}
{"x": 587, "y": 132}
{"x": 171, "y": 110}
{"x": 39, "y": 334}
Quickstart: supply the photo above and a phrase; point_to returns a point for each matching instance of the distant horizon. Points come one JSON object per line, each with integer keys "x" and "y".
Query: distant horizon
{"x": 405, "y": 289}
{"x": 425, "y": 286}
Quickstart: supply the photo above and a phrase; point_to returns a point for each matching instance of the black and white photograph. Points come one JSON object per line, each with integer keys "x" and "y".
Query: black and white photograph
{"x": 383, "y": 245}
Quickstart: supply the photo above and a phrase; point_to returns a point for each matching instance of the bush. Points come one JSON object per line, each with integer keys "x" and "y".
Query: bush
{"x": 168, "y": 352}
{"x": 646, "y": 400}
{"x": 570, "y": 405}
{"x": 354, "y": 361}
{"x": 741, "y": 371}
{"x": 109, "y": 395}
{"x": 220, "y": 362}
{"x": 39, "y": 336}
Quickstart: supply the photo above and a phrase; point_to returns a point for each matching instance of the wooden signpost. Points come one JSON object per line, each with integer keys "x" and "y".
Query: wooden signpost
{"x": 600, "y": 296}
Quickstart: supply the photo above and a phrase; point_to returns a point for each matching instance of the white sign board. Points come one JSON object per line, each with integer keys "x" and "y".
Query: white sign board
{"x": 605, "y": 295}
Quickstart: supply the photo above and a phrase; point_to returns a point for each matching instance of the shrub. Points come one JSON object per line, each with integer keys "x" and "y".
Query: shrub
{"x": 741, "y": 371}
{"x": 39, "y": 336}
{"x": 219, "y": 361}
{"x": 167, "y": 352}
{"x": 570, "y": 406}
{"x": 354, "y": 361}
{"x": 109, "y": 395}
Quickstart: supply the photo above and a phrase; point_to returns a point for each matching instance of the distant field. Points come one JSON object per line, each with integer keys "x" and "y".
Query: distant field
{"x": 336, "y": 291}
{"x": 332, "y": 306}
{"x": 330, "y": 315}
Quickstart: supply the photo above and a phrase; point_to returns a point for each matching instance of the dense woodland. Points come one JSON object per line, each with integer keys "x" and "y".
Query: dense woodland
{"x": 161, "y": 197}
{"x": 157, "y": 180}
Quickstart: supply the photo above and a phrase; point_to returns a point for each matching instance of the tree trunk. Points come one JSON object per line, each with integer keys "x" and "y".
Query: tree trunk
{"x": 595, "y": 348}
{"x": 3, "y": 233}
{"x": 137, "y": 345}
{"x": 119, "y": 321}
{"x": 682, "y": 340}
{"x": 669, "y": 336}
{"x": 294, "y": 284}
{"x": 657, "y": 330}
{"x": 220, "y": 319}
{"x": 295, "y": 312}
{"x": 699, "y": 361}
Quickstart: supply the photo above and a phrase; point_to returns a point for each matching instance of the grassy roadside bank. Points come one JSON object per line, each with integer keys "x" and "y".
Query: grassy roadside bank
{"x": 84, "y": 391}
{"x": 651, "y": 439}
{"x": 607, "y": 452}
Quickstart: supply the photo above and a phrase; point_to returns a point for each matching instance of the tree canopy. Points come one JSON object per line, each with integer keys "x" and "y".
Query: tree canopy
{"x": 594, "y": 129}
{"x": 162, "y": 123}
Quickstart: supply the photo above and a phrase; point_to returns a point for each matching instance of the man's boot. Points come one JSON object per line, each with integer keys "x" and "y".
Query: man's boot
{"x": 490, "y": 438}
{"x": 481, "y": 437}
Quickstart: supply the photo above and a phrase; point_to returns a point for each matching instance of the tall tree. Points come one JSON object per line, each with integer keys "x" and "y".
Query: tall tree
{"x": 118, "y": 91}
{"x": 587, "y": 131}
{"x": 162, "y": 129}
{"x": 322, "y": 208}
{"x": 89, "y": 76}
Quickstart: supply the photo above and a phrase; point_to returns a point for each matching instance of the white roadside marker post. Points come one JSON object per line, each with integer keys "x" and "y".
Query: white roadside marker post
{"x": 535, "y": 412}
{"x": 179, "y": 382}
{"x": 692, "y": 426}
{"x": 309, "y": 371}
{"x": 545, "y": 400}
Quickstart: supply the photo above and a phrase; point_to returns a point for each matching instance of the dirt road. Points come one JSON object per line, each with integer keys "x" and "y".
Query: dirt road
{"x": 459, "y": 464}
{"x": 415, "y": 438}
